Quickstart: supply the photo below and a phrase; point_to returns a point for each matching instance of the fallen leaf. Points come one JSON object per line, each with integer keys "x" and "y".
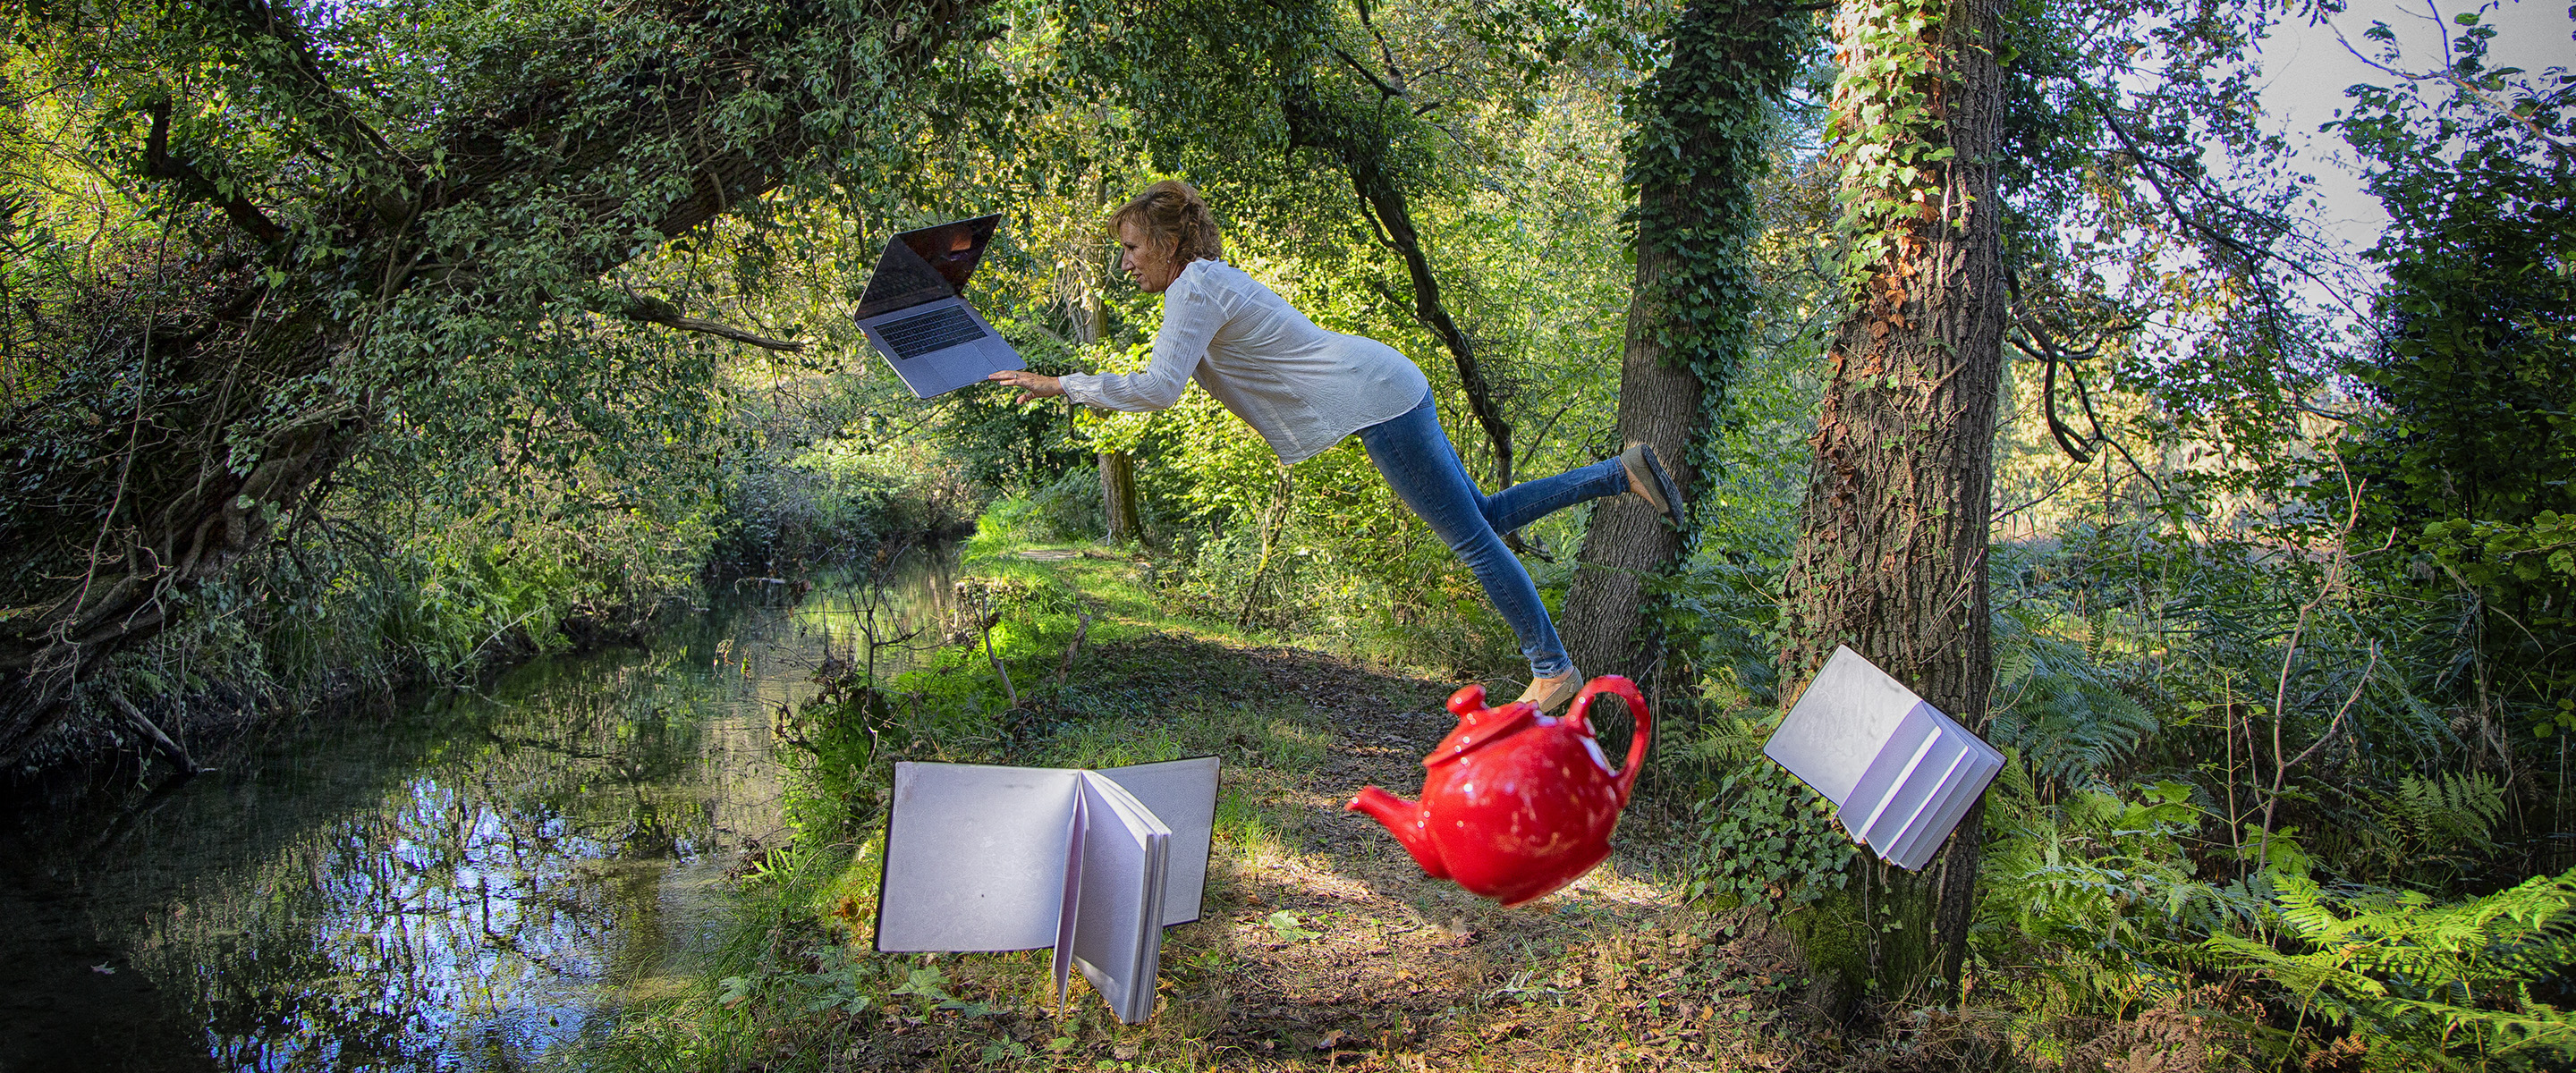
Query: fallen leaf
{"x": 1288, "y": 926}
{"x": 1124, "y": 1052}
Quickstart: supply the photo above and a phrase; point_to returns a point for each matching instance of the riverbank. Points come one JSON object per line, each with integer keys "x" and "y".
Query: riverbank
{"x": 466, "y": 880}
{"x": 1322, "y": 944}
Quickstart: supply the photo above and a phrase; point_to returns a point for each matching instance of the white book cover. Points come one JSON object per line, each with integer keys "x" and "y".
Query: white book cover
{"x": 1095, "y": 864}
{"x": 1900, "y": 771}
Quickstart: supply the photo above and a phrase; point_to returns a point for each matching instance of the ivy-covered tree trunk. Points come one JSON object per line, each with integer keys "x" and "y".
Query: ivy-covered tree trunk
{"x": 1701, "y": 142}
{"x": 206, "y": 405}
{"x": 1892, "y": 549}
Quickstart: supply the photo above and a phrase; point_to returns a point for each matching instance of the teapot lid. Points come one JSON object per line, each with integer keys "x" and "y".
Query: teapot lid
{"x": 1479, "y": 728}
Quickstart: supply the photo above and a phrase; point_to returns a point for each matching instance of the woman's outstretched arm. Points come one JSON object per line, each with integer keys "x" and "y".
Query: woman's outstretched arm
{"x": 1191, "y": 316}
{"x": 1033, "y": 386}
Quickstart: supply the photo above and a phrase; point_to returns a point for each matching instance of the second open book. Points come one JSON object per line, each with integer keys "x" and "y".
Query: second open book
{"x": 1901, "y": 772}
{"x": 1093, "y": 863}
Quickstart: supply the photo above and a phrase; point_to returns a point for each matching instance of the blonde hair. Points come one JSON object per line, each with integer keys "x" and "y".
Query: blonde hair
{"x": 1170, "y": 213}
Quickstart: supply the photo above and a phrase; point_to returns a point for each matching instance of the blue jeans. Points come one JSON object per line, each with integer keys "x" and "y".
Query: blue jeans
{"x": 1415, "y": 457}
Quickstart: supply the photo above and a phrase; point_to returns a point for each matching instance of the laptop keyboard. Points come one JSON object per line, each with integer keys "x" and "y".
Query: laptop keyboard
{"x": 912, "y": 337}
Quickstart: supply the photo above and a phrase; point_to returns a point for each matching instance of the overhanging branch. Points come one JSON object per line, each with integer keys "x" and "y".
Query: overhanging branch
{"x": 652, "y": 310}
{"x": 159, "y": 164}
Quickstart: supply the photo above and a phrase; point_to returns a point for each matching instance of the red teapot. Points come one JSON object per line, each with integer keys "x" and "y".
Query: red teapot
{"x": 1516, "y": 804}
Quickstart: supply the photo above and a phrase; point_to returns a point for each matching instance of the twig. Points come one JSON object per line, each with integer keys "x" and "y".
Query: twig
{"x": 656, "y": 311}
{"x": 984, "y": 622}
{"x": 2332, "y": 582}
{"x": 1280, "y": 508}
{"x": 1081, "y": 629}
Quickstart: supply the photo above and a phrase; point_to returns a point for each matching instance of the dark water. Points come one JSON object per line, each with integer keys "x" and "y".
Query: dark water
{"x": 464, "y": 885}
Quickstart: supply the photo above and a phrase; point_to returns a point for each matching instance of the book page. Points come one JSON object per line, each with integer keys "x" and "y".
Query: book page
{"x": 1118, "y": 931}
{"x": 1061, "y": 962}
{"x": 1182, "y": 794}
{"x": 975, "y": 857}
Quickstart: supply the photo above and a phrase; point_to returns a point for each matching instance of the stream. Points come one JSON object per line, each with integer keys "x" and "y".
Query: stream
{"x": 463, "y": 881}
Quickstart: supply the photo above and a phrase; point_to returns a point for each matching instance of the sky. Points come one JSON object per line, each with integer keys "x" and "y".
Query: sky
{"x": 2306, "y": 70}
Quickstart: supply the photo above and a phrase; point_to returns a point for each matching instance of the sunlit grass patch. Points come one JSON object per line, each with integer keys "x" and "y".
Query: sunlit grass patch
{"x": 1241, "y": 827}
{"x": 1320, "y": 944}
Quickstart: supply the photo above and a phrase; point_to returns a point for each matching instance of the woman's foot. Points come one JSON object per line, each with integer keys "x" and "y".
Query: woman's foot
{"x": 1550, "y": 694}
{"x": 1648, "y": 481}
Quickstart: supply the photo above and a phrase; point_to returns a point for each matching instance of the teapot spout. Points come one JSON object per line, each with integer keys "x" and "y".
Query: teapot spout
{"x": 1403, "y": 819}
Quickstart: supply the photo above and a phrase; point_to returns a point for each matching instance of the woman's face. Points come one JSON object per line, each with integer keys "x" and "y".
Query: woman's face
{"x": 1150, "y": 266}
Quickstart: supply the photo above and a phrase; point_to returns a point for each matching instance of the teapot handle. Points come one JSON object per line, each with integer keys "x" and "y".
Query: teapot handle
{"x": 1645, "y": 729}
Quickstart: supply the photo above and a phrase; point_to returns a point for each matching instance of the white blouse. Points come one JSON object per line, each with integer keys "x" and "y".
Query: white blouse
{"x": 1301, "y": 387}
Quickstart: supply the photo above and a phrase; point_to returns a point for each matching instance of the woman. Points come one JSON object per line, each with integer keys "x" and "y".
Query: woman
{"x": 1304, "y": 388}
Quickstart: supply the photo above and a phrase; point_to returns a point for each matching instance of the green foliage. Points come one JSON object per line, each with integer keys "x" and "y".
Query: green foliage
{"x": 2451, "y": 809}
{"x": 2472, "y": 363}
{"x": 2494, "y": 555}
{"x": 2426, "y": 985}
{"x": 2469, "y": 449}
{"x": 1068, "y": 510}
{"x": 1769, "y": 841}
{"x": 2096, "y": 892}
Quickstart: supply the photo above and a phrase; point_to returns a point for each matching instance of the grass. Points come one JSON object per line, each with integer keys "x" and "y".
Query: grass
{"x": 1322, "y": 944}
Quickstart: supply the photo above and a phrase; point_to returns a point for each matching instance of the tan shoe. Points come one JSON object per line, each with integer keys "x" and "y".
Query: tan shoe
{"x": 1550, "y": 694}
{"x": 1648, "y": 481}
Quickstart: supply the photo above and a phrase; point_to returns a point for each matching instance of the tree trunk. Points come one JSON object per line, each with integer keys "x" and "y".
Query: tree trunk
{"x": 227, "y": 354}
{"x": 1892, "y": 550}
{"x": 1117, "y": 468}
{"x": 1659, "y": 402}
{"x": 1118, "y": 497}
{"x": 1701, "y": 142}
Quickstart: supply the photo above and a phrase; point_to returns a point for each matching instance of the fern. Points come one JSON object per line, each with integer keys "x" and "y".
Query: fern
{"x": 2428, "y": 832}
{"x": 2097, "y": 889}
{"x": 2427, "y": 985}
{"x": 2059, "y": 706}
{"x": 2450, "y": 811}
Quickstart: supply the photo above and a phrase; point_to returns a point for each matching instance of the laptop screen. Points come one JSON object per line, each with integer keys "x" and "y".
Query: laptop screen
{"x": 953, "y": 248}
{"x": 926, "y": 265}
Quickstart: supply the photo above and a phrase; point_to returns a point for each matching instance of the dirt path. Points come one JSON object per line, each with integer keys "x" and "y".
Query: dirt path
{"x": 1323, "y": 944}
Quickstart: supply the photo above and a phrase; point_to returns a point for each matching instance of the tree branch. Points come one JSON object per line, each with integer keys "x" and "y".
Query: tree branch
{"x": 1364, "y": 72}
{"x": 652, "y": 310}
{"x": 358, "y": 141}
{"x": 159, "y": 164}
{"x": 174, "y": 750}
{"x": 2148, "y": 163}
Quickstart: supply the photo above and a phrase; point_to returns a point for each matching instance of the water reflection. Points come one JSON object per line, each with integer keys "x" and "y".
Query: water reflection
{"x": 461, "y": 887}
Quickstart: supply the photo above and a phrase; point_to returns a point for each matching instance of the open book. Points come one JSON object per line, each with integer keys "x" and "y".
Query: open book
{"x": 1901, "y": 772}
{"x": 1093, "y": 863}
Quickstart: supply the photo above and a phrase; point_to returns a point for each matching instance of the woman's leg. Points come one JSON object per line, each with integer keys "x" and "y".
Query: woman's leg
{"x": 1415, "y": 457}
{"x": 1530, "y": 501}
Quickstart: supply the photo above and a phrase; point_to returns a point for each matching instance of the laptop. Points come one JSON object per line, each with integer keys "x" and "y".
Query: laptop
{"x": 912, "y": 312}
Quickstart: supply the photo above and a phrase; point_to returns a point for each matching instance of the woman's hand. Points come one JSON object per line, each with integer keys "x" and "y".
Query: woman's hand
{"x": 1032, "y": 386}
